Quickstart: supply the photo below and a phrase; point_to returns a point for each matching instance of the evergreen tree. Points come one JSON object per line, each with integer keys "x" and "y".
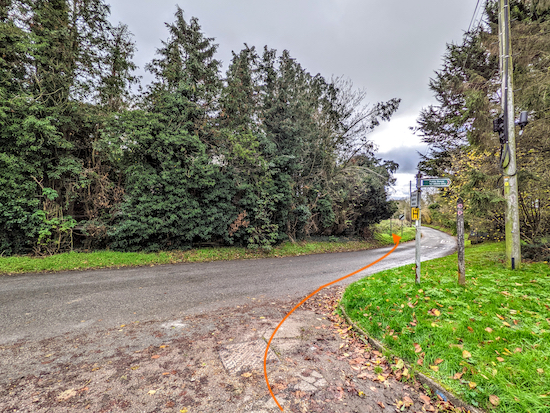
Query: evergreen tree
{"x": 459, "y": 129}
{"x": 176, "y": 193}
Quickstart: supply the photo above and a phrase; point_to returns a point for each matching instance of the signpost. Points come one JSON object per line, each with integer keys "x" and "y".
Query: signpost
{"x": 433, "y": 182}
{"x": 415, "y": 199}
{"x": 416, "y": 214}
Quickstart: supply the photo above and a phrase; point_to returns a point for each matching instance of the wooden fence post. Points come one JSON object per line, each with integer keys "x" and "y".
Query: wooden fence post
{"x": 460, "y": 241}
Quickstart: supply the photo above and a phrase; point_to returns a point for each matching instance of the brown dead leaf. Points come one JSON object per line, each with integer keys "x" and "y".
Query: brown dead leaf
{"x": 156, "y": 356}
{"x": 381, "y": 405}
{"x": 494, "y": 400}
{"x": 435, "y": 368}
{"x": 425, "y": 399}
{"x": 489, "y": 329}
{"x": 472, "y": 385}
{"x": 470, "y": 329}
{"x": 466, "y": 354}
{"x": 500, "y": 359}
{"x": 407, "y": 401}
{"x": 518, "y": 350}
{"x": 417, "y": 348}
{"x": 248, "y": 374}
{"x": 438, "y": 361}
{"x": 458, "y": 376}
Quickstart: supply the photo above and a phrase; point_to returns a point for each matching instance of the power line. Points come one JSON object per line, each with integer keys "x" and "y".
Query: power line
{"x": 473, "y": 17}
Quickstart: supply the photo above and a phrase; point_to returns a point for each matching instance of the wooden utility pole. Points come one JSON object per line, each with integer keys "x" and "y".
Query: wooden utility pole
{"x": 513, "y": 249}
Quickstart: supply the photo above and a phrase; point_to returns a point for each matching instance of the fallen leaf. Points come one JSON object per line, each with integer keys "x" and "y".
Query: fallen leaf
{"x": 381, "y": 405}
{"x": 458, "y": 376}
{"x": 420, "y": 362}
{"x": 436, "y": 312}
{"x": 67, "y": 394}
{"x": 151, "y": 392}
{"x": 246, "y": 374}
{"x": 489, "y": 329}
{"x": 417, "y": 348}
{"x": 494, "y": 400}
{"x": 408, "y": 401}
{"x": 400, "y": 364}
{"x": 438, "y": 361}
{"x": 466, "y": 354}
{"x": 166, "y": 373}
{"x": 500, "y": 359}
{"x": 504, "y": 323}
{"x": 435, "y": 368}
{"x": 156, "y": 356}
{"x": 470, "y": 329}
{"x": 518, "y": 350}
{"x": 540, "y": 371}
{"x": 184, "y": 410}
{"x": 381, "y": 378}
{"x": 163, "y": 346}
{"x": 472, "y": 385}
{"x": 425, "y": 399}
{"x": 499, "y": 316}
{"x": 135, "y": 367}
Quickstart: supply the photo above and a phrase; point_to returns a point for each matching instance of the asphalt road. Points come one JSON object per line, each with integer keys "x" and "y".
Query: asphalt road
{"x": 38, "y": 306}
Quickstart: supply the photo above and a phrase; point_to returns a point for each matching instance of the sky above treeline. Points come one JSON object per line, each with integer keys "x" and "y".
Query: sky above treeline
{"x": 389, "y": 48}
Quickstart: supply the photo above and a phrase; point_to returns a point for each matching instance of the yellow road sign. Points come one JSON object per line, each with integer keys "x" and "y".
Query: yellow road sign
{"x": 414, "y": 213}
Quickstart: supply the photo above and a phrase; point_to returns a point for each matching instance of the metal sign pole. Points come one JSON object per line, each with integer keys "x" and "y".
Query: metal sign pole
{"x": 418, "y": 233}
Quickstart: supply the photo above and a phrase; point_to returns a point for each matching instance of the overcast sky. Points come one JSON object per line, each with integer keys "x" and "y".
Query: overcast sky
{"x": 390, "y": 48}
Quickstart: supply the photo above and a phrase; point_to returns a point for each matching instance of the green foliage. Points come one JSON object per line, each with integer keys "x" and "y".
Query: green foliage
{"x": 459, "y": 128}
{"x": 267, "y": 154}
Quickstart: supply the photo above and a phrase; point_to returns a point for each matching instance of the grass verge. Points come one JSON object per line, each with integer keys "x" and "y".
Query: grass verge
{"x": 488, "y": 342}
{"x": 114, "y": 259}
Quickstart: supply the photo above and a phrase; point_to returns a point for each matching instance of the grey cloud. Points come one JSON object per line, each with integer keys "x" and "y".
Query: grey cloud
{"x": 406, "y": 156}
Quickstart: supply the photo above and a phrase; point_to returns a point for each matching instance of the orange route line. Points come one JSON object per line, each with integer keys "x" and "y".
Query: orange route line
{"x": 396, "y": 239}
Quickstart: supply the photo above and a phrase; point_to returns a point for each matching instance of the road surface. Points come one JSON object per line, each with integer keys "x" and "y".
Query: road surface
{"x": 38, "y": 306}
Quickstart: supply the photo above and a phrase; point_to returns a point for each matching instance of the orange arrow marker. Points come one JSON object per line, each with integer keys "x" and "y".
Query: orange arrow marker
{"x": 396, "y": 239}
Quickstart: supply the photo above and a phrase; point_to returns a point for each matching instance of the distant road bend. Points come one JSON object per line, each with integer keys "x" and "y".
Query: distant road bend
{"x": 37, "y": 306}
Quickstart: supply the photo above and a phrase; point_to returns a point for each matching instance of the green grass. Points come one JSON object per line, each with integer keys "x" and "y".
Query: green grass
{"x": 114, "y": 259}
{"x": 384, "y": 235}
{"x": 493, "y": 336}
